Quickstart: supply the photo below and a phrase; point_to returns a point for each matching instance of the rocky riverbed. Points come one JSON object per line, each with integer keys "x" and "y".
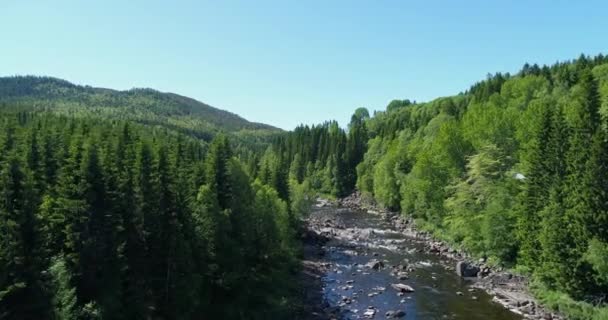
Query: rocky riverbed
{"x": 363, "y": 263}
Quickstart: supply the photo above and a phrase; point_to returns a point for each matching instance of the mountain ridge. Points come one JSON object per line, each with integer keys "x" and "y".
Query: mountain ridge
{"x": 144, "y": 104}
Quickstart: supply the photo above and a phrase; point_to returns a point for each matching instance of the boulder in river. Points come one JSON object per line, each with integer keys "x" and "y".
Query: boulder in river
{"x": 399, "y": 314}
{"x": 402, "y": 275}
{"x": 402, "y": 287}
{"x": 375, "y": 264}
{"x": 465, "y": 269}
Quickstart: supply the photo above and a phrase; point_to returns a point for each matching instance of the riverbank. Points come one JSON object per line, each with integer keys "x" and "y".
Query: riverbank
{"x": 314, "y": 306}
{"x": 508, "y": 289}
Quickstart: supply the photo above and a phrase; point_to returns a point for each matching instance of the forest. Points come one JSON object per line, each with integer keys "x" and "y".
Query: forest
{"x": 114, "y": 220}
{"x": 106, "y": 216}
{"x": 515, "y": 170}
{"x": 141, "y": 105}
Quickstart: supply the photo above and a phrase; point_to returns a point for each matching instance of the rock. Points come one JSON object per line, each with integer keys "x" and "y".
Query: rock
{"x": 484, "y": 272}
{"x": 402, "y": 287}
{"x": 375, "y": 264}
{"x": 395, "y": 314}
{"x": 402, "y": 276}
{"x": 464, "y": 269}
{"x": 369, "y": 313}
{"x": 459, "y": 293}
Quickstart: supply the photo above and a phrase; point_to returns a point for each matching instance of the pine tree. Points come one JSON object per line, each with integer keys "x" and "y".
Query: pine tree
{"x": 356, "y": 145}
{"x": 280, "y": 177}
{"x": 35, "y": 163}
{"x": 210, "y": 239}
{"x": 64, "y": 294}
{"x": 597, "y": 182}
{"x": 146, "y": 209}
{"x": 21, "y": 294}
{"x": 8, "y": 142}
{"x": 586, "y": 122}
{"x": 217, "y": 174}
{"x": 297, "y": 168}
{"x": 171, "y": 254}
{"x": 596, "y": 218}
{"x": 555, "y": 252}
{"x": 537, "y": 185}
{"x": 130, "y": 235}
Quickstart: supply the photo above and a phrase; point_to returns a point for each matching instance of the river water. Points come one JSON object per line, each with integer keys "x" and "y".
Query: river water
{"x": 351, "y": 287}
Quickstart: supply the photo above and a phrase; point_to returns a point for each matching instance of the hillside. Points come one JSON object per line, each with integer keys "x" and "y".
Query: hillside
{"x": 145, "y": 106}
{"x": 513, "y": 171}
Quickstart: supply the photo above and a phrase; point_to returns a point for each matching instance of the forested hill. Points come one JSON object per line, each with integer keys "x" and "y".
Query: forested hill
{"x": 514, "y": 169}
{"x": 146, "y": 106}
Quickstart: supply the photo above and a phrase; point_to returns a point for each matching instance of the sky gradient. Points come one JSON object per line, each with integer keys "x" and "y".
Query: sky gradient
{"x": 291, "y": 62}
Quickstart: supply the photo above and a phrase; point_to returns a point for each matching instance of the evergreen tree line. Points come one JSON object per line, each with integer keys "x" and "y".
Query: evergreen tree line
{"x": 323, "y": 157}
{"x": 514, "y": 169}
{"x": 110, "y": 220}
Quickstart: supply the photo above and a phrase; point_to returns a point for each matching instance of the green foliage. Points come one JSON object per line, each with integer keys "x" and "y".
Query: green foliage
{"x": 64, "y": 295}
{"x": 597, "y": 256}
{"x": 561, "y": 302}
{"x": 115, "y": 220}
{"x": 325, "y": 155}
{"x": 21, "y": 292}
{"x": 479, "y": 213}
{"x": 301, "y": 197}
{"x": 514, "y": 169}
{"x": 144, "y": 106}
{"x": 386, "y": 187}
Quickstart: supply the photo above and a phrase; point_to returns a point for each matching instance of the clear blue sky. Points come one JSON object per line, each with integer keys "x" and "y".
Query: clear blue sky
{"x": 291, "y": 62}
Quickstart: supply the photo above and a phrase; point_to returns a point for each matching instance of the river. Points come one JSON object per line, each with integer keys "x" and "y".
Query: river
{"x": 351, "y": 289}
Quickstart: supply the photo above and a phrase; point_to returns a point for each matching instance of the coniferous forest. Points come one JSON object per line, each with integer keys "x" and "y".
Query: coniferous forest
{"x": 105, "y": 216}
{"x": 110, "y": 220}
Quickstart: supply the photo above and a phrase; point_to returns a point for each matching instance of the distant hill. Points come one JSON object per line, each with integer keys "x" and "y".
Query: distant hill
{"x": 147, "y": 106}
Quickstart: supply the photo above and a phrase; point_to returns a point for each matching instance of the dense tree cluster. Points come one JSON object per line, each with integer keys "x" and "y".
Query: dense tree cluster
{"x": 514, "y": 169}
{"x": 114, "y": 220}
{"x": 323, "y": 156}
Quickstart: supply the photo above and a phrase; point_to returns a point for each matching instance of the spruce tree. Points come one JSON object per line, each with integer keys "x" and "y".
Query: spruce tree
{"x": 356, "y": 145}
{"x": 217, "y": 174}
{"x": 21, "y": 264}
{"x": 130, "y": 235}
{"x": 537, "y": 186}
{"x": 586, "y": 119}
